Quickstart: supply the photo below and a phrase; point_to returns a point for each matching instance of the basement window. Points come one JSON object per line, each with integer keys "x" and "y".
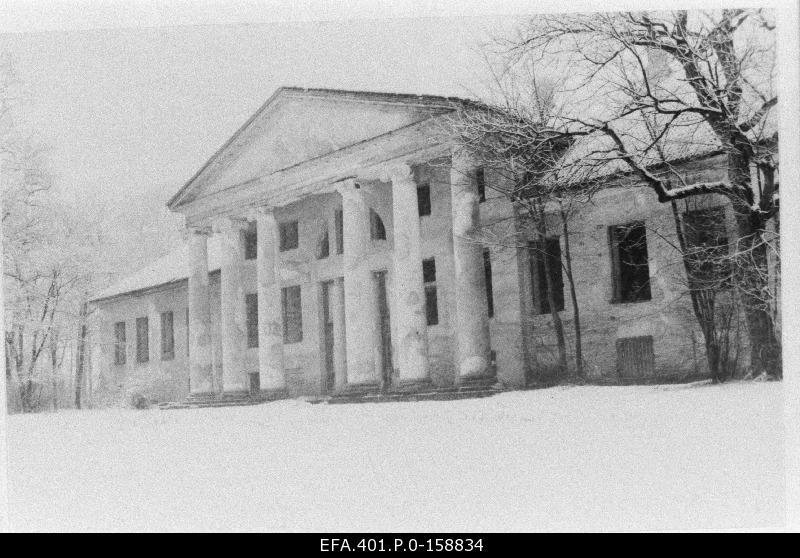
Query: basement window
{"x": 631, "y": 272}
{"x": 550, "y": 248}
{"x": 635, "y": 358}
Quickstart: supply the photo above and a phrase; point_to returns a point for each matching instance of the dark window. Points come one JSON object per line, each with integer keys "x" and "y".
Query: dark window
{"x": 167, "y": 336}
{"x": 480, "y": 178}
{"x": 251, "y": 304}
{"x": 631, "y": 272}
{"x": 119, "y": 343}
{"x": 324, "y": 245}
{"x": 339, "y": 224}
{"x": 250, "y": 244}
{"x": 292, "y": 314}
{"x": 635, "y": 358}
{"x": 289, "y": 236}
{"x": 550, "y": 249}
{"x": 709, "y": 264}
{"x": 487, "y": 270}
{"x": 424, "y": 199}
{"x": 376, "y": 229}
{"x": 431, "y": 302}
{"x": 142, "y": 340}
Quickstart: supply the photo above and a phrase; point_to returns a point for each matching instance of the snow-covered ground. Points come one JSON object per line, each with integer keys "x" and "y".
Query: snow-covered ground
{"x": 662, "y": 457}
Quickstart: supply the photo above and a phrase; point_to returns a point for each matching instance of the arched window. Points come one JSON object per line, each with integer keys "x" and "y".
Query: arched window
{"x": 376, "y": 229}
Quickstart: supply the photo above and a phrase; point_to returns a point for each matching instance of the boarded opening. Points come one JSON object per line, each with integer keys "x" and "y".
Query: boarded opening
{"x": 635, "y": 357}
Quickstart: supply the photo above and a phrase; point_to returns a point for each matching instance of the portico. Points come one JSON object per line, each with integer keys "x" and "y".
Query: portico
{"x": 357, "y": 355}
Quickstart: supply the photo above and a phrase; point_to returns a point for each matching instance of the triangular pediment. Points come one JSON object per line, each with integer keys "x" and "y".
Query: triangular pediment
{"x": 297, "y": 125}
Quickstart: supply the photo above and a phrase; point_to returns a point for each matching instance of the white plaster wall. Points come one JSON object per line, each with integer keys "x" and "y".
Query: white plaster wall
{"x": 667, "y": 317}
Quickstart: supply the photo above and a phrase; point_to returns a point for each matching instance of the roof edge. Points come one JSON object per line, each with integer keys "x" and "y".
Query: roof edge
{"x": 375, "y": 96}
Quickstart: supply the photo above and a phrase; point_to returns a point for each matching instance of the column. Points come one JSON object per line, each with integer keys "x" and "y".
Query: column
{"x": 339, "y": 346}
{"x": 472, "y": 319}
{"x": 270, "y": 319}
{"x": 409, "y": 316}
{"x": 232, "y": 305}
{"x": 359, "y": 312}
{"x": 201, "y": 370}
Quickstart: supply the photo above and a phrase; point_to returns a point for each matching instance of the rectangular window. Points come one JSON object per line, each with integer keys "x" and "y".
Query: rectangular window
{"x": 631, "y": 272}
{"x": 292, "y": 314}
{"x": 431, "y": 298}
{"x": 119, "y": 343}
{"x": 424, "y": 199}
{"x": 251, "y": 304}
{"x": 487, "y": 270}
{"x": 289, "y": 236}
{"x": 480, "y": 178}
{"x": 167, "y": 336}
{"x": 142, "y": 340}
{"x": 709, "y": 263}
{"x": 635, "y": 358}
{"x": 339, "y": 224}
{"x": 250, "y": 244}
{"x": 550, "y": 249}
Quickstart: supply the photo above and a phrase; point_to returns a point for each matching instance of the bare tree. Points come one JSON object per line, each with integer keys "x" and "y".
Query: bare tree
{"x": 644, "y": 88}
{"x": 49, "y": 252}
{"x": 514, "y": 136}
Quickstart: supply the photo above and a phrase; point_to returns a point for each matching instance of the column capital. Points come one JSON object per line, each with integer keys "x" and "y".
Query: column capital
{"x": 260, "y": 210}
{"x": 204, "y": 230}
{"x": 463, "y": 157}
{"x": 396, "y": 172}
{"x": 349, "y": 189}
{"x": 226, "y": 224}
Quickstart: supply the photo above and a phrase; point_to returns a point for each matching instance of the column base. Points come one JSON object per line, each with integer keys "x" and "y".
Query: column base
{"x": 202, "y": 397}
{"x": 479, "y": 382}
{"x": 234, "y": 394}
{"x": 412, "y": 386}
{"x": 272, "y": 394}
{"x": 359, "y": 389}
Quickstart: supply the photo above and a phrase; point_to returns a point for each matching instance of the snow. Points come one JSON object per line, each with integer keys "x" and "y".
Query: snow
{"x": 645, "y": 457}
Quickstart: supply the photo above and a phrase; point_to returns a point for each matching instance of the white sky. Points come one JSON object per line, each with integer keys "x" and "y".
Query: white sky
{"x": 131, "y": 113}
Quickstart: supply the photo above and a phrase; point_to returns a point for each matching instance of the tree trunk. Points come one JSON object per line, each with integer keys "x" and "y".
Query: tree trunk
{"x": 752, "y": 273}
{"x": 79, "y": 365}
{"x": 765, "y": 348}
{"x": 558, "y": 325}
{"x": 573, "y": 297}
{"x": 54, "y": 366}
{"x": 702, "y": 304}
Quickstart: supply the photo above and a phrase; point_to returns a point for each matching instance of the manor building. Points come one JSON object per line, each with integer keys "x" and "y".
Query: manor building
{"x": 344, "y": 242}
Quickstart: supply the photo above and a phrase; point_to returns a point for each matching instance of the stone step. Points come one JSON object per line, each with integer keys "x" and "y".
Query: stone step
{"x": 440, "y": 394}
